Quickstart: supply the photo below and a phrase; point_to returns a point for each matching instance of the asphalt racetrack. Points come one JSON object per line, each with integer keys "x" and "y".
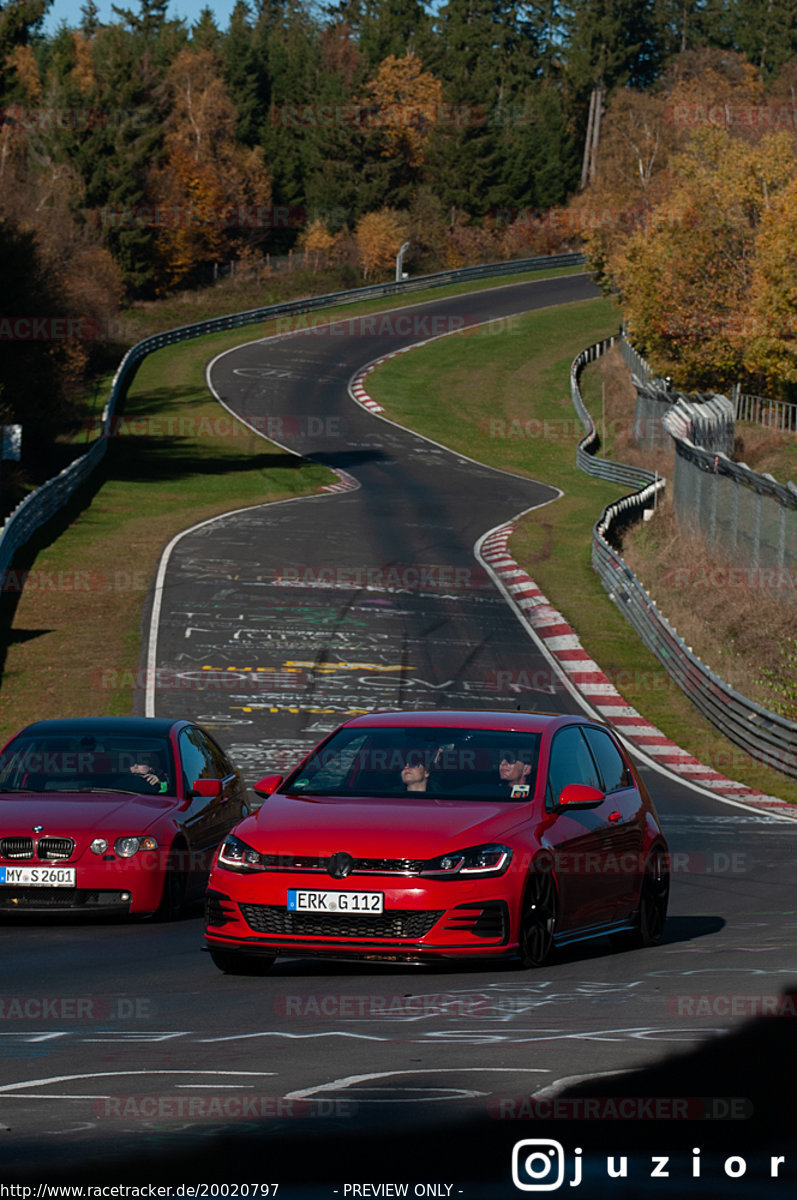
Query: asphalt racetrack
{"x": 128, "y": 1058}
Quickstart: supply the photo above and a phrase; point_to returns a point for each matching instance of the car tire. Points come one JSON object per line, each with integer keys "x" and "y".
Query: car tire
{"x": 175, "y": 887}
{"x": 537, "y": 920}
{"x": 232, "y": 963}
{"x": 654, "y": 894}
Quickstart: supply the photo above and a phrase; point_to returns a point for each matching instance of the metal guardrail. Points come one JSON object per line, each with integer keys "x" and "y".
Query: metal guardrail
{"x": 586, "y": 451}
{"x": 764, "y": 735}
{"x": 37, "y": 508}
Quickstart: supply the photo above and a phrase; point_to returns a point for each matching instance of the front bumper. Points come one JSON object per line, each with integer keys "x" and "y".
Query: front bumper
{"x": 121, "y": 886}
{"x": 437, "y": 924}
{"x": 62, "y": 901}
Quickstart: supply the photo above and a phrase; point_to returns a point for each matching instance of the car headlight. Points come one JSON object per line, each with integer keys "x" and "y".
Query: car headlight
{"x": 239, "y": 856}
{"x": 126, "y": 847}
{"x": 492, "y": 859}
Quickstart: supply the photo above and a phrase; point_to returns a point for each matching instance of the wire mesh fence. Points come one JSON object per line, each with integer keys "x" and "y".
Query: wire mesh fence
{"x": 734, "y": 507}
{"x": 746, "y": 518}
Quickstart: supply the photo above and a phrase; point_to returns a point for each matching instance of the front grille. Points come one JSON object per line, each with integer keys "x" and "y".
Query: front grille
{"x": 270, "y": 919}
{"x": 54, "y": 848}
{"x": 16, "y": 847}
{"x": 360, "y": 866}
{"x": 51, "y": 849}
{"x": 389, "y": 866}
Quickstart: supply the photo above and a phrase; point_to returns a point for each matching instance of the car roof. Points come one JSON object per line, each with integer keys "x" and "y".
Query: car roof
{"x": 132, "y": 726}
{"x": 519, "y": 722}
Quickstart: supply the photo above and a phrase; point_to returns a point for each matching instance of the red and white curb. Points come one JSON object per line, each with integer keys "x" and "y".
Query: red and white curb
{"x": 357, "y": 388}
{"x": 346, "y": 482}
{"x": 563, "y": 646}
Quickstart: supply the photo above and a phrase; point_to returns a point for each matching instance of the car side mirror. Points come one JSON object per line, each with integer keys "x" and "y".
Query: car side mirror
{"x": 579, "y": 795}
{"x": 209, "y": 789}
{"x": 267, "y": 785}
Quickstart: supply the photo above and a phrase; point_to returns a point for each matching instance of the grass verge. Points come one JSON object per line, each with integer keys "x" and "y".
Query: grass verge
{"x": 504, "y": 400}
{"x": 73, "y": 629}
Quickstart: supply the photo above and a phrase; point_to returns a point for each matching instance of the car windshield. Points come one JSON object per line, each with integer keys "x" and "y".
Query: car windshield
{"x": 87, "y": 762}
{"x": 439, "y": 762}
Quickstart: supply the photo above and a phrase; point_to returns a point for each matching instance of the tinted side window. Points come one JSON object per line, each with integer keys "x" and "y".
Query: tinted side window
{"x": 570, "y": 762}
{"x": 197, "y": 763}
{"x": 610, "y": 762}
{"x": 221, "y": 764}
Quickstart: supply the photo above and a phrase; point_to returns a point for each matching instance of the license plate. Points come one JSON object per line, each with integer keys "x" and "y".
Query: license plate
{"x": 37, "y": 876}
{"x": 300, "y": 900}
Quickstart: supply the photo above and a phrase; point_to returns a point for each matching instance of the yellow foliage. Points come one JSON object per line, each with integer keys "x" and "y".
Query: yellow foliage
{"x": 771, "y": 329}
{"x": 83, "y": 70}
{"x": 404, "y": 102}
{"x": 317, "y": 241}
{"x": 22, "y": 62}
{"x": 681, "y": 218}
{"x": 213, "y": 194}
{"x": 379, "y": 237}
{"x": 686, "y": 276}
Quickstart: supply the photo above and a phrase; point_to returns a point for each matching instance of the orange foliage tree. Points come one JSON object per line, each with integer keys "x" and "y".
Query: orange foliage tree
{"x": 687, "y": 178}
{"x": 771, "y": 341}
{"x": 405, "y": 103}
{"x": 686, "y": 277}
{"x": 379, "y": 236}
{"x": 317, "y": 241}
{"x": 212, "y": 194}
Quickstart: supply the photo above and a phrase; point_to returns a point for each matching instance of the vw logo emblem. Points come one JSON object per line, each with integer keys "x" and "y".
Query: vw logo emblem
{"x": 340, "y": 865}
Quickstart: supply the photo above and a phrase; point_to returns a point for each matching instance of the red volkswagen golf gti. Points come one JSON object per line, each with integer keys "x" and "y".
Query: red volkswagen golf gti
{"x": 414, "y": 836}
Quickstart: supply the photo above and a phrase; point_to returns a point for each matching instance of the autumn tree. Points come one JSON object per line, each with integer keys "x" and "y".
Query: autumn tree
{"x": 685, "y": 278}
{"x": 19, "y": 24}
{"x": 317, "y": 241}
{"x": 213, "y": 195}
{"x": 770, "y": 346}
{"x": 379, "y": 237}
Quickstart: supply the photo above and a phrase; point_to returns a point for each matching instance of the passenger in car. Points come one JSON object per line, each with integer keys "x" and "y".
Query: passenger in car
{"x": 514, "y": 770}
{"x": 415, "y": 774}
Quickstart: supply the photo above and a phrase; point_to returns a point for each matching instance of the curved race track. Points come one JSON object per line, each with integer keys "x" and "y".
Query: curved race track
{"x": 127, "y": 1056}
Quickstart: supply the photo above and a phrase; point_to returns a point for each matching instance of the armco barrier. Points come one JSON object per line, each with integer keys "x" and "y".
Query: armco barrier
{"x": 37, "y": 508}
{"x": 600, "y": 468}
{"x": 767, "y": 737}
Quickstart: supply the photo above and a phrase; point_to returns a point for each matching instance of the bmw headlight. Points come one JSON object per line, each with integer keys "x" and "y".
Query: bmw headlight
{"x": 482, "y": 861}
{"x": 126, "y": 847}
{"x": 239, "y": 856}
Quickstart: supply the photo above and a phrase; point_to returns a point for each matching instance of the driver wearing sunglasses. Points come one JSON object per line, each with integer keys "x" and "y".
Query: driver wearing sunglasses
{"x": 415, "y": 772}
{"x": 514, "y": 770}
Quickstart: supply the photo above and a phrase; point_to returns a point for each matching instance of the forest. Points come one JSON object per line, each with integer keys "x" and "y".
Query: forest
{"x": 143, "y": 157}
